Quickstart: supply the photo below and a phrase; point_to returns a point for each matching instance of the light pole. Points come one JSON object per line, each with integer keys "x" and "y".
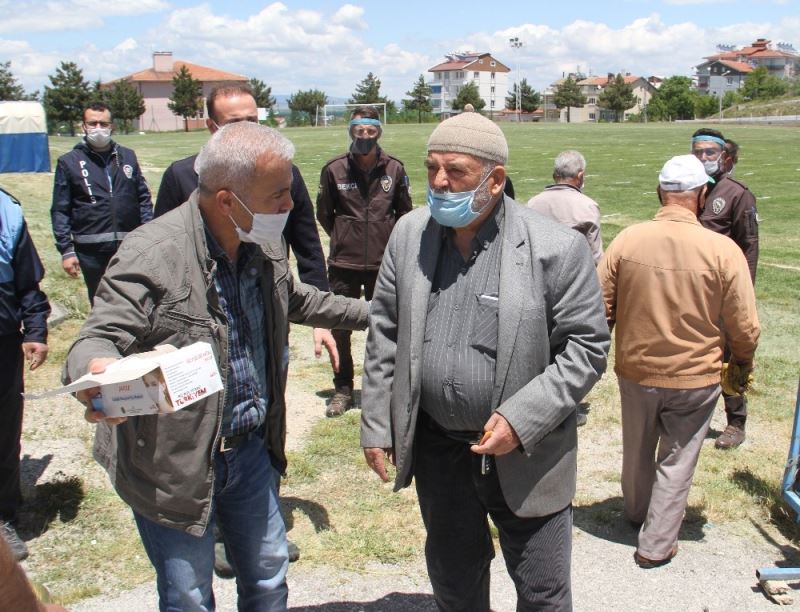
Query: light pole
{"x": 721, "y": 88}
{"x": 516, "y": 43}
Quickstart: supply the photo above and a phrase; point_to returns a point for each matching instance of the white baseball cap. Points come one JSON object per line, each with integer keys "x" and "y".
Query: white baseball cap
{"x": 683, "y": 173}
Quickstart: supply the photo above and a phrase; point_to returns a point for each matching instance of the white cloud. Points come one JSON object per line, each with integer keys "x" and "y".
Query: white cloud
{"x": 62, "y": 15}
{"x": 294, "y": 49}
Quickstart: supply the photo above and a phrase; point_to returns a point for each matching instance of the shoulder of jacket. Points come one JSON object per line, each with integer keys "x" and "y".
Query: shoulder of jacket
{"x": 392, "y": 158}
{"x": 739, "y": 184}
{"x": 338, "y": 159}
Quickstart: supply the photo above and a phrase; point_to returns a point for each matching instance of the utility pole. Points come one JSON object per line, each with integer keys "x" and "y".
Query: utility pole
{"x": 516, "y": 44}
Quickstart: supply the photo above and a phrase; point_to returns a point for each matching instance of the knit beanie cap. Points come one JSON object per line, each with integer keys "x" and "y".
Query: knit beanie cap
{"x": 470, "y": 133}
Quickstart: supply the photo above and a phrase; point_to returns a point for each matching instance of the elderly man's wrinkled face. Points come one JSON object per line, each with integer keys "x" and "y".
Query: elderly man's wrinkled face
{"x": 268, "y": 192}
{"x": 453, "y": 172}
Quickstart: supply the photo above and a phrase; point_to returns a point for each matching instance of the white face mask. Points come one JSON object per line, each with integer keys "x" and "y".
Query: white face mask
{"x": 266, "y": 228}
{"x": 711, "y": 167}
{"x": 98, "y": 137}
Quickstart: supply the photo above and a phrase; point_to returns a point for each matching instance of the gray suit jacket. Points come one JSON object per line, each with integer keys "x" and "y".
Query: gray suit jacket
{"x": 552, "y": 347}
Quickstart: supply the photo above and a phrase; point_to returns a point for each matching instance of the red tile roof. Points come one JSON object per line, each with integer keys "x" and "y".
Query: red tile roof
{"x": 201, "y": 73}
{"x": 602, "y": 80}
{"x": 738, "y": 66}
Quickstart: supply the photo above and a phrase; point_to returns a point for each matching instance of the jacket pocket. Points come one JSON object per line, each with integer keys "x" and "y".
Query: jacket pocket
{"x": 485, "y": 324}
{"x": 191, "y": 325}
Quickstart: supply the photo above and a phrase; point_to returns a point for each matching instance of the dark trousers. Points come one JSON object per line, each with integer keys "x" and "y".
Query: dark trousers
{"x": 348, "y": 283}
{"x": 455, "y": 498}
{"x": 735, "y": 405}
{"x": 93, "y": 266}
{"x": 10, "y": 424}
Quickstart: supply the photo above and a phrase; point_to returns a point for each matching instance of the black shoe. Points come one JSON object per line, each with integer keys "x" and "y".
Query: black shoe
{"x": 222, "y": 566}
{"x": 580, "y": 419}
{"x": 340, "y": 403}
{"x": 294, "y": 551}
{"x": 18, "y": 548}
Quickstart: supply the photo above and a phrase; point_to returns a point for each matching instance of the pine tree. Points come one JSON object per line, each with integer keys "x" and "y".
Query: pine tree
{"x": 10, "y": 89}
{"x": 67, "y": 96}
{"x": 186, "y": 99}
{"x": 568, "y": 94}
{"x": 469, "y": 94}
{"x": 529, "y": 98}
{"x": 307, "y": 102}
{"x": 262, "y": 93}
{"x": 126, "y": 104}
{"x": 419, "y": 98}
{"x": 368, "y": 91}
{"x": 617, "y": 97}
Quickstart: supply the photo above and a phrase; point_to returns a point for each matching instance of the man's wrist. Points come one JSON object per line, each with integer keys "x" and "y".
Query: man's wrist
{"x": 67, "y": 255}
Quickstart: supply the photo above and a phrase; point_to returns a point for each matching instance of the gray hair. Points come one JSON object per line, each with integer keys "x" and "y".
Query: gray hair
{"x": 228, "y": 160}
{"x": 568, "y": 164}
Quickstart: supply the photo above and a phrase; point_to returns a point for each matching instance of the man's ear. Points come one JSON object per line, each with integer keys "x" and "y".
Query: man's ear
{"x": 212, "y": 127}
{"x": 499, "y": 179}
{"x": 223, "y": 199}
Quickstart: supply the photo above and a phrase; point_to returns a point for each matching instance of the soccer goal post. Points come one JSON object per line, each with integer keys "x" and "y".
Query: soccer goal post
{"x": 339, "y": 114}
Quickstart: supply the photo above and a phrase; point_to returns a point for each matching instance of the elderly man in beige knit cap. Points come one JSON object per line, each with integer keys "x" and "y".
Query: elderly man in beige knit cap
{"x": 486, "y": 331}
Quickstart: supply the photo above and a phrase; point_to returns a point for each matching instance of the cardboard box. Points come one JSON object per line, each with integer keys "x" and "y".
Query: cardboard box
{"x": 161, "y": 381}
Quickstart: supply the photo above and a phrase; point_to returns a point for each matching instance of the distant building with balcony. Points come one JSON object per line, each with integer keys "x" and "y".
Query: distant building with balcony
{"x": 591, "y": 87}
{"x": 461, "y": 69}
{"x": 726, "y": 71}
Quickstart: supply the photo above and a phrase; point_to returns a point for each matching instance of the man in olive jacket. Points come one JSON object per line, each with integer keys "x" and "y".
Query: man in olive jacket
{"x": 213, "y": 270}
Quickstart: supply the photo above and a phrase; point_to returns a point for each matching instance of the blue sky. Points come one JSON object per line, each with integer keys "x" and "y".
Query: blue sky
{"x": 332, "y": 45}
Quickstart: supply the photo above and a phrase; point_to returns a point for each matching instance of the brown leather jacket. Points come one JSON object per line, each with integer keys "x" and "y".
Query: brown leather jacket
{"x": 731, "y": 211}
{"x": 358, "y": 210}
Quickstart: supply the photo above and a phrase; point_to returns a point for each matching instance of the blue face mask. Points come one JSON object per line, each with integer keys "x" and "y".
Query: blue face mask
{"x": 454, "y": 209}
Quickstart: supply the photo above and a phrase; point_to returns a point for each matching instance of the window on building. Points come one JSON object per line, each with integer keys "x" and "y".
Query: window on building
{"x": 493, "y": 63}
{"x": 591, "y": 116}
{"x": 480, "y": 61}
{"x": 730, "y": 80}
{"x": 446, "y": 76}
{"x": 476, "y": 75}
{"x": 492, "y": 89}
{"x": 493, "y": 76}
{"x": 491, "y": 103}
{"x": 592, "y": 100}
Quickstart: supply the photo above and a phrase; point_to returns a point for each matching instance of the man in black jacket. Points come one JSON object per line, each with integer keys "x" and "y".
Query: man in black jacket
{"x": 23, "y": 337}
{"x": 230, "y": 103}
{"x": 361, "y": 195}
{"x": 99, "y": 195}
{"x": 731, "y": 211}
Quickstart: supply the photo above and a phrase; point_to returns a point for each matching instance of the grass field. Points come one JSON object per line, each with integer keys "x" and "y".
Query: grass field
{"x": 364, "y": 521}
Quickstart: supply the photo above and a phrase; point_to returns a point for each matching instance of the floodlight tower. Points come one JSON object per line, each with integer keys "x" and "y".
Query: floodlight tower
{"x": 516, "y": 44}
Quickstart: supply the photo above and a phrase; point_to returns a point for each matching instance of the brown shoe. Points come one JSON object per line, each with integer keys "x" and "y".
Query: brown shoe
{"x": 340, "y": 403}
{"x": 732, "y": 437}
{"x": 646, "y": 563}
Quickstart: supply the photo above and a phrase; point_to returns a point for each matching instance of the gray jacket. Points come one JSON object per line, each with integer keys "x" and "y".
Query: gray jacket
{"x": 552, "y": 347}
{"x": 159, "y": 289}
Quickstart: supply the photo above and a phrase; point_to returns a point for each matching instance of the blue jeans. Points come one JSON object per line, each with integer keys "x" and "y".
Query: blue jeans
{"x": 245, "y": 507}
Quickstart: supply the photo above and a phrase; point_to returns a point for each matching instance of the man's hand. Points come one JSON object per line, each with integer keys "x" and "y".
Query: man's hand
{"x": 97, "y": 366}
{"x": 71, "y": 266}
{"x": 502, "y": 440}
{"x": 375, "y": 460}
{"x": 35, "y": 353}
{"x": 324, "y": 336}
{"x": 736, "y": 378}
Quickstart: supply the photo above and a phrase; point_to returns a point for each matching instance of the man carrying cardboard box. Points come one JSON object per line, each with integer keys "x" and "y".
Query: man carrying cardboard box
{"x": 214, "y": 272}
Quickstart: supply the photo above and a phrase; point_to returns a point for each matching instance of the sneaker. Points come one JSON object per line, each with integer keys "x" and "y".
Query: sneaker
{"x": 646, "y": 563}
{"x": 294, "y": 551}
{"x": 222, "y": 566}
{"x": 340, "y": 403}
{"x": 18, "y": 548}
{"x": 732, "y": 437}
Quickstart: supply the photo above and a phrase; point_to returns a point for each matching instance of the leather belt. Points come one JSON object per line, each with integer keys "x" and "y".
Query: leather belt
{"x": 227, "y": 443}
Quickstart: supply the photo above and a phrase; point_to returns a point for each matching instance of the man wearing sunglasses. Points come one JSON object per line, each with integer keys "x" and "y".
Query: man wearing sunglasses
{"x": 99, "y": 196}
{"x": 731, "y": 211}
{"x": 361, "y": 196}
